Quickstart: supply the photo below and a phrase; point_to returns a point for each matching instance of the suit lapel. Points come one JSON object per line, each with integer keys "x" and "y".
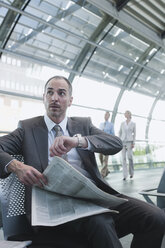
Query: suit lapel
{"x": 73, "y": 127}
{"x": 40, "y": 133}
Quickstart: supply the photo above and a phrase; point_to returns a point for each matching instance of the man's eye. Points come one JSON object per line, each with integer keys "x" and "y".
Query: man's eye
{"x": 62, "y": 93}
{"x": 49, "y": 92}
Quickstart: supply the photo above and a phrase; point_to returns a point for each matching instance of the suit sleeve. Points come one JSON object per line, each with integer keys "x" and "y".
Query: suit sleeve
{"x": 102, "y": 142}
{"x": 10, "y": 144}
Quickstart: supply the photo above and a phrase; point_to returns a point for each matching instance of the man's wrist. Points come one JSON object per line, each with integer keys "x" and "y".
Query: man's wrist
{"x": 81, "y": 141}
{"x": 13, "y": 166}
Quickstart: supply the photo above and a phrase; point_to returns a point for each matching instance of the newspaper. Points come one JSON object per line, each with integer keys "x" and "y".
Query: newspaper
{"x": 14, "y": 244}
{"x": 69, "y": 195}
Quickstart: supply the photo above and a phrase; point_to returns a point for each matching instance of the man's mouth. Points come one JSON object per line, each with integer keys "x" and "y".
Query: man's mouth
{"x": 53, "y": 106}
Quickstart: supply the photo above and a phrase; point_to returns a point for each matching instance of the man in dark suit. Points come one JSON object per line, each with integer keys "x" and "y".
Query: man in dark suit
{"x": 35, "y": 140}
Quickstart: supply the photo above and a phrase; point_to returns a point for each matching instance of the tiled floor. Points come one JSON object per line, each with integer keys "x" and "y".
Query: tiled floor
{"x": 143, "y": 179}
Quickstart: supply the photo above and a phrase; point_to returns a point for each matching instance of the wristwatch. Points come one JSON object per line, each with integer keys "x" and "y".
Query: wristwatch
{"x": 79, "y": 137}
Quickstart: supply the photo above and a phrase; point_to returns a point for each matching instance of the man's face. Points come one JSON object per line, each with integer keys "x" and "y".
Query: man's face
{"x": 106, "y": 117}
{"x": 57, "y": 99}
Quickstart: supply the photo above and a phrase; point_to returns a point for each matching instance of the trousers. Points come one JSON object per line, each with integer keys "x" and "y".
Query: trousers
{"x": 127, "y": 151}
{"x": 103, "y": 159}
{"x": 145, "y": 221}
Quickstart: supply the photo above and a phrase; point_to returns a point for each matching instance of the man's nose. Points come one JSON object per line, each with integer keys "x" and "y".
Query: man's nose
{"x": 54, "y": 97}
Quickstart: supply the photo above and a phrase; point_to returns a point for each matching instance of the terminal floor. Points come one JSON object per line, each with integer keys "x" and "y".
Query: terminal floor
{"x": 143, "y": 179}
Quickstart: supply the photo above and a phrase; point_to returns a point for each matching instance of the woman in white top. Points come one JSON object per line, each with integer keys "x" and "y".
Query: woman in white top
{"x": 127, "y": 134}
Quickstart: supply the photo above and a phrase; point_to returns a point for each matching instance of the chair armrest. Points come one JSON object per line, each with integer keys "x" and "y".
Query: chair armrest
{"x": 150, "y": 193}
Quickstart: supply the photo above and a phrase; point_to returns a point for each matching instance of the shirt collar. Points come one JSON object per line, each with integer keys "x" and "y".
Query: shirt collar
{"x": 128, "y": 122}
{"x": 50, "y": 124}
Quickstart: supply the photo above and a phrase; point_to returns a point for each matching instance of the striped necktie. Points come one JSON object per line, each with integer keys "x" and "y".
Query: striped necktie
{"x": 58, "y": 130}
{"x": 58, "y": 133}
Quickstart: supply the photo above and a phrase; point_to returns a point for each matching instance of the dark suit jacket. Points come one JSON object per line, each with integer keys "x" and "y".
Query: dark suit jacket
{"x": 30, "y": 139}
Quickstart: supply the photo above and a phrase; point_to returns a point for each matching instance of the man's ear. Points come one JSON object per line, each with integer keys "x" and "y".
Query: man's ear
{"x": 43, "y": 97}
{"x": 70, "y": 101}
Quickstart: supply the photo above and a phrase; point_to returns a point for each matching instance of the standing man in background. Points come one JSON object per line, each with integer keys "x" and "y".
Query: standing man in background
{"x": 107, "y": 127}
{"x": 127, "y": 134}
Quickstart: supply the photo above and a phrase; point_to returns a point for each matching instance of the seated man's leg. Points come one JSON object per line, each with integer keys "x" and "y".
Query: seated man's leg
{"x": 97, "y": 231}
{"x": 100, "y": 231}
{"x": 64, "y": 235}
{"x": 145, "y": 221}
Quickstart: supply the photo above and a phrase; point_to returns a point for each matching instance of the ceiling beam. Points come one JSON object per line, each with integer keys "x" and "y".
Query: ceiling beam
{"x": 9, "y": 22}
{"x": 135, "y": 27}
{"x": 149, "y": 118}
{"x": 115, "y": 108}
{"x": 130, "y": 80}
{"x": 121, "y": 3}
{"x": 105, "y": 21}
{"x": 163, "y": 35}
{"x": 55, "y": 19}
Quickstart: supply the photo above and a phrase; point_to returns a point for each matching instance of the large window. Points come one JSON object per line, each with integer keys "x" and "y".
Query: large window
{"x": 14, "y": 109}
{"x": 94, "y": 94}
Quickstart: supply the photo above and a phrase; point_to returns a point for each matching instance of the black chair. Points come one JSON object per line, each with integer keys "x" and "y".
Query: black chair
{"x": 12, "y": 194}
{"x": 15, "y": 224}
{"x": 158, "y": 192}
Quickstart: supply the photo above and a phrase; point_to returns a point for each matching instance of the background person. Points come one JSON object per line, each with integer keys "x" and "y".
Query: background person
{"x": 107, "y": 127}
{"x": 35, "y": 140}
{"x": 127, "y": 134}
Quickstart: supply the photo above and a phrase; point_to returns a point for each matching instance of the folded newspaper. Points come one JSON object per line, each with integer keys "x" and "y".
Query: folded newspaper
{"x": 69, "y": 195}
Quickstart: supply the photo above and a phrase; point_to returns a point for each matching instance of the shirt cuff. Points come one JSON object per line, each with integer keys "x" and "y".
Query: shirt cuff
{"x": 6, "y": 170}
{"x": 89, "y": 145}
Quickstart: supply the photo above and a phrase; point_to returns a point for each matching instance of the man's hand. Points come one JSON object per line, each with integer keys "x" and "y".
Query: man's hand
{"x": 64, "y": 144}
{"x": 27, "y": 175}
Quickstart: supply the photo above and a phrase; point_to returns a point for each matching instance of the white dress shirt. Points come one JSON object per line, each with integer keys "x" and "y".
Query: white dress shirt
{"x": 72, "y": 156}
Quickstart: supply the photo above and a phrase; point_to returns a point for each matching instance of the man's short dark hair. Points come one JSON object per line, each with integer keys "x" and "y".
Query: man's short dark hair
{"x": 60, "y": 77}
